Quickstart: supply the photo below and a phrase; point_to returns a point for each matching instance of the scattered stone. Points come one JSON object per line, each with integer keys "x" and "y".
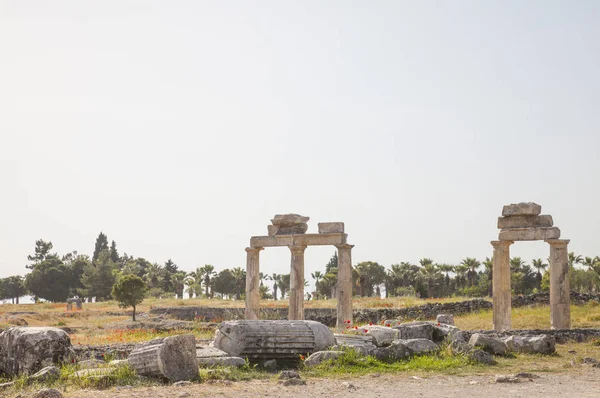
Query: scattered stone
{"x": 590, "y": 361}
{"x": 443, "y": 331}
{"x": 542, "y": 344}
{"x": 473, "y": 382}
{"x": 382, "y": 336}
{"x": 16, "y": 321}
{"x": 118, "y": 363}
{"x": 522, "y": 209}
{"x": 270, "y": 365}
{"x": 397, "y": 350}
{"x": 361, "y": 344}
{"x": 525, "y": 221}
{"x": 289, "y": 374}
{"x": 572, "y": 352}
{"x": 447, "y": 319}
{"x": 49, "y": 373}
{"x": 48, "y": 393}
{"x": 91, "y": 364}
{"x": 331, "y": 227}
{"x": 293, "y": 382}
{"x": 348, "y": 385}
{"x": 182, "y": 383}
{"x": 527, "y": 375}
{"x": 416, "y": 377}
{"x": 536, "y": 233}
{"x": 420, "y": 346}
{"x": 488, "y": 344}
{"x": 415, "y": 330}
{"x": 479, "y": 356}
{"x": 173, "y": 357}
{"x": 221, "y": 361}
{"x": 507, "y": 379}
{"x": 321, "y": 356}
{"x": 184, "y": 395}
{"x": 26, "y": 350}
{"x": 460, "y": 347}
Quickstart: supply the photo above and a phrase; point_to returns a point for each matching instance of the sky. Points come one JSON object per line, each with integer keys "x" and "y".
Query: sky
{"x": 180, "y": 128}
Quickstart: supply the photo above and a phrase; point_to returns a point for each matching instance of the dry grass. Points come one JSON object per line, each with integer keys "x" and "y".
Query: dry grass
{"x": 536, "y": 317}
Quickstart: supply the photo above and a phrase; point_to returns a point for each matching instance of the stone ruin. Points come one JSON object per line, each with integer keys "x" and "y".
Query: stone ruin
{"x": 524, "y": 222}
{"x": 77, "y": 301}
{"x": 290, "y": 230}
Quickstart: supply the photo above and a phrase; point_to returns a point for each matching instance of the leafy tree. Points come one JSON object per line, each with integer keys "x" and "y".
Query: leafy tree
{"x": 114, "y": 254}
{"x": 169, "y": 269}
{"x": 49, "y": 280}
{"x": 333, "y": 263}
{"x": 224, "y": 283}
{"x": 129, "y": 291}
{"x": 99, "y": 277}
{"x": 101, "y": 244}
{"x": 76, "y": 263}
{"x": 12, "y": 288}
{"x": 368, "y": 275}
{"x": 41, "y": 251}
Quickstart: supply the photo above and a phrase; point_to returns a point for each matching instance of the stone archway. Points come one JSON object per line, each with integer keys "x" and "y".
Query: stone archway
{"x": 523, "y": 222}
{"x": 290, "y": 230}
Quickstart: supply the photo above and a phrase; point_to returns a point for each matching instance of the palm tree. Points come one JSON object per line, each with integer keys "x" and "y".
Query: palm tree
{"x": 573, "y": 259}
{"x": 275, "y": 278}
{"x": 446, "y": 268}
{"x": 431, "y": 272}
{"x": 209, "y": 272}
{"x": 178, "y": 279}
{"x": 317, "y": 276}
{"x": 472, "y": 264}
{"x": 461, "y": 272}
{"x": 488, "y": 263}
{"x": 284, "y": 284}
{"x": 153, "y": 275}
{"x": 516, "y": 264}
{"x": 540, "y": 266}
{"x": 240, "y": 279}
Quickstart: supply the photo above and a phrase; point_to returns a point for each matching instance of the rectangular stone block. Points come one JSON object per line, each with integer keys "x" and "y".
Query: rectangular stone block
{"x": 331, "y": 227}
{"x": 525, "y": 221}
{"x": 522, "y": 209}
{"x": 516, "y": 234}
{"x": 272, "y": 230}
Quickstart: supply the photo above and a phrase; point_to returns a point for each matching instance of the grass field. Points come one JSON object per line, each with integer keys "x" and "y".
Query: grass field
{"x": 106, "y": 323}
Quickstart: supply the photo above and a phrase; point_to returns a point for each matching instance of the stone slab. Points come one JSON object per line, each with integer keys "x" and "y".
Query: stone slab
{"x": 288, "y": 220}
{"x": 331, "y": 227}
{"x": 525, "y": 221}
{"x": 518, "y": 234}
{"x": 522, "y": 209}
{"x": 298, "y": 240}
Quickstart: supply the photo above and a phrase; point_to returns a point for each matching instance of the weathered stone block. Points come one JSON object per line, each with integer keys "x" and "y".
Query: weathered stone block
{"x": 447, "y": 319}
{"x": 517, "y": 234}
{"x": 420, "y": 346}
{"x": 296, "y": 229}
{"x": 542, "y": 344}
{"x": 482, "y": 357}
{"x": 362, "y": 344}
{"x": 525, "y": 221}
{"x": 272, "y": 230}
{"x": 396, "y": 351}
{"x": 522, "y": 209}
{"x": 288, "y": 220}
{"x": 331, "y": 227}
{"x": 173, "y": 357}
{"x": 221, "y": 361}
{"x": 321, "y": 356}
{"x": 382, "y": 336}
{"x": 488, "y": 344}
{"x": 415, "y": 330}
{"x": 26, "y": 350}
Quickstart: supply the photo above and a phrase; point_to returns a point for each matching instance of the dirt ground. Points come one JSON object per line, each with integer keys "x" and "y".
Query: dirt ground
{"x": 581, "y": 383}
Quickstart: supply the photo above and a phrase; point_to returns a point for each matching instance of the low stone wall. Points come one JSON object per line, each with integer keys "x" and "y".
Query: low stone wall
{"x": 327, "y": 316}
{"x": 561, "y": 335}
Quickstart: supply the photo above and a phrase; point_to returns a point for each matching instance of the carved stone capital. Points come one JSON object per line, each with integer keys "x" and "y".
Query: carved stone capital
{"x": 297, "y": 249}
{"x": 344, "y": 246}
{"x": 558, "y": 243}
{"x": 254, "y": 249}
{"x": 501, "y": 244}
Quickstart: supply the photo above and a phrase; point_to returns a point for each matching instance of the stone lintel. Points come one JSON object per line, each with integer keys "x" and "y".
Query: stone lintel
{"x": 558, "y": 242}
{"x": 298, "y": 240}
{"x": 525, "y": 221}
{"x": 517, "y": 234}
{"x": 522, "y": 209}
{"x": 331, "y": 227}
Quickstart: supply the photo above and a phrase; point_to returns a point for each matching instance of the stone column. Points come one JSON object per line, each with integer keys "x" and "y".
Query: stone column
{"x": 252, "y": 283}
{"x": 501, "y": 284}
{"x": 296, "y": 310}
{"x": 560, "y": 298}
{"x": 344, "y": 287}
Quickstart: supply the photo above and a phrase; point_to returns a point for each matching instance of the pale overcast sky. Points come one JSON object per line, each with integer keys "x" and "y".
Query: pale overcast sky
{"x": 179, "y": 128}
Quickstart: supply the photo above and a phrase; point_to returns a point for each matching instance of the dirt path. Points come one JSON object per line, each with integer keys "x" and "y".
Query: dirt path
{"x": 581, "y": 384}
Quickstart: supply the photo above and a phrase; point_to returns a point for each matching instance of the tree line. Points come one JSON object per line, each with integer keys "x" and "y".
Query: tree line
{"x": 55, "y": 277}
